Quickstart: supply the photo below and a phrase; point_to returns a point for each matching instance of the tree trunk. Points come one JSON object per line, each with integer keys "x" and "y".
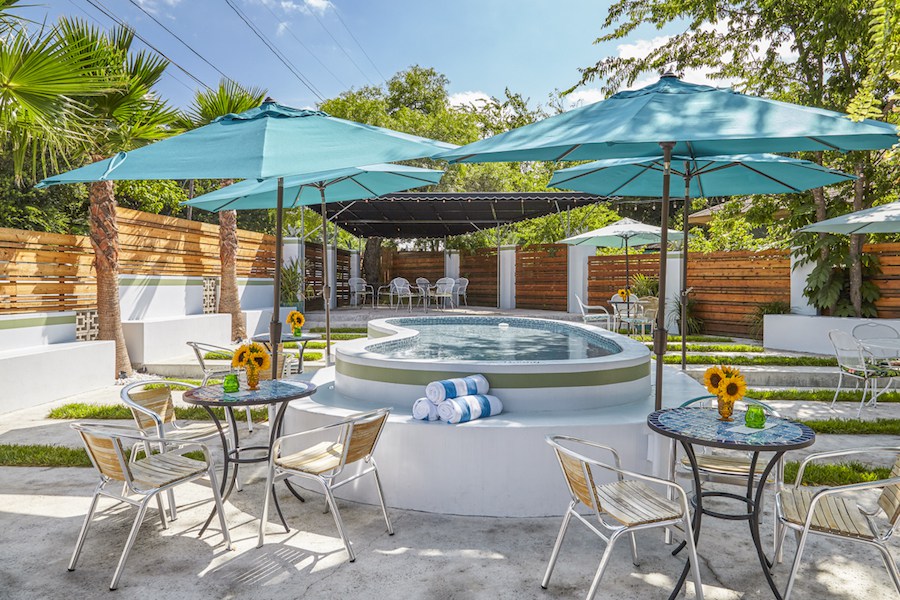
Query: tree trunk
{"x": 821, "y": 209}
{"x": 105, "y": 240}
{"x": 229, "y": 299}
{"x": 372, "y": 260}
{"x": 856, "y": 243}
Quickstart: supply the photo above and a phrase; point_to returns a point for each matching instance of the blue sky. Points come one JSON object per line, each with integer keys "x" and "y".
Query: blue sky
{"x": 482, "y": 46}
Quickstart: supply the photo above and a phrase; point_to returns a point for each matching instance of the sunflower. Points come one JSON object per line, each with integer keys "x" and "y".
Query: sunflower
{"x": 732, "y": 388}
{"x": 623, "y": 294}
{"x": 239, "y": 359}
{"x": 296, "y": 319}
{"x": 712, "y": 379}
{"x": 262, "y": 361}
{"x": 730, "y": 371}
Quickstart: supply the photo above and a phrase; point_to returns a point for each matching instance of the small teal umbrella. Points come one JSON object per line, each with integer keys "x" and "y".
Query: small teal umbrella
{"x": 339, "y": 185}
{"x": 878, "y": 219}
{"x": 675, "y": 117}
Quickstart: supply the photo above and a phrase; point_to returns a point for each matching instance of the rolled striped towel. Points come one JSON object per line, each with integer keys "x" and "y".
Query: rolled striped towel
{"x": 424, "y": 410}
{"x": 438, "y": 391}
{"x": 469, "y": 408}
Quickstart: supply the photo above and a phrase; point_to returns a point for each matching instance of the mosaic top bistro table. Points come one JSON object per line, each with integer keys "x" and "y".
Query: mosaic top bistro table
{"x": 272, "y": 392}
{"x": 701, "y": 426}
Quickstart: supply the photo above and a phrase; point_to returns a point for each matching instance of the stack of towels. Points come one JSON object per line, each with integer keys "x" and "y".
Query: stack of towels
{"x": 457, "y": 400}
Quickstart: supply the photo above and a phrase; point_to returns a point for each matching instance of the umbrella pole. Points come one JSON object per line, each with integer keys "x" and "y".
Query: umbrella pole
{"x": 275, "y": 323}
{"x": 627, "y": 287}
{"x": 684, "y": 265}
{"x": 659, "y": 341}
{"x": 326, "y": 290}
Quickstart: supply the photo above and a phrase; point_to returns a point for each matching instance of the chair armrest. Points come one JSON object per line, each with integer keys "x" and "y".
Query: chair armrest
{"x": 600, "y": 308}
{"x": 357, "y": 417}
{"x": 835, "y": 453}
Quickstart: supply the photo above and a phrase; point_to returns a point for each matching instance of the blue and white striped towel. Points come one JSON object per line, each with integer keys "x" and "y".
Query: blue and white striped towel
{"x": 438, "y": 391}
{"x": 469, "y": 408}
{"x": 424, "y": 410}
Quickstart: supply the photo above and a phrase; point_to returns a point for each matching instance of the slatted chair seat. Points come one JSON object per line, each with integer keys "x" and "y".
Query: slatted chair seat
{"x": 724, "y": 464}
{"x": 162, "y": 469}
{"x": 321, "y": 458}
{"x": 634, "y": 503}
{"x": 833, "y": 514}
{"x": 192, "y": 431}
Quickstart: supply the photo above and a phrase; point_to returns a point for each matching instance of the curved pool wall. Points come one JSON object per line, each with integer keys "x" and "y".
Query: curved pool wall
{"x": 623, "y": 377}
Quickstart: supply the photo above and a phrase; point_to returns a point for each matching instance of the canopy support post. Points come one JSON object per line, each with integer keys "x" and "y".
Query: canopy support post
{"x": 684, "y": 265}
{"x": 275, "y": 323}
{"x": 662, "y": 336}
{"x": 326, "y": 289}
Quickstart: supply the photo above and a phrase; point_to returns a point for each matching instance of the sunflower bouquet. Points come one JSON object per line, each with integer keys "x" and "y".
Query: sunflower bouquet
{"x": 253, "y": 358}
{"x": 623, "y": 294}
{"x": 296, "y": 320}
{"x": 729, "y": 386}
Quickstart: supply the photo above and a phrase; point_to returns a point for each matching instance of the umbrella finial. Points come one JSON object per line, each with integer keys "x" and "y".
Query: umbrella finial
{"x": 669, "y": 74}
{"x": 269, "y": 100}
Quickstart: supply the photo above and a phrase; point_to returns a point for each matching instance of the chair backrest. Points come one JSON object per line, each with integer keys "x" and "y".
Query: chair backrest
{"x": 400, "y": 285}
{"x": 445, "y": 285}
{"x": 285, "y": 367}
{"x": 584, "y": 310}
{"x": 149, "y": 398}
{"x": 889, "y": 501}
{"x": 847, "y": 350}
{"x": 422, "y": 282}
{"x": 361, "y": 434}
{"x": 869, "y": 331}
{"x": 461, "y": 284}
{"x": 357, "y": 284}
{"x": 105, "y": 451}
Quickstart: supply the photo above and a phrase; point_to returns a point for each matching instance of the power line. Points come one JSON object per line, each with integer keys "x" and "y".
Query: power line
{"x": 110, "y": 15}
{"x": 287, "y": 27}
{"x": 339, "y": 45}
{"x": 366, "y": 54}
{"x": 278, "y": 54}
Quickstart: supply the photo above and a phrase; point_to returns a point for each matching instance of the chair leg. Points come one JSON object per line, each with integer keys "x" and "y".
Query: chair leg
{"x": 220, "y": 506}
{"x": 796, "y": 566}
{"x": 595, "y": 584}
{"x": 338, "y": 521}
{"x": 173, "y": 512}
{"x": 249, "y": 421}
{"x": 264, "y": 519}
{"x": 634, "y": 554}
{"x": 863, "y": 401}
{"x": 692, "y": 555}
{"x": 162, "y": 511}
{"x": 84, "y": 527}
{"x": 387, "y": 519}
{"x": 556, "y": 546}
{"x": 136, "y": 526}
{"x": 779, "y": 541}
{"x": 838, "y": 390}
{"x": 891, "y": 566}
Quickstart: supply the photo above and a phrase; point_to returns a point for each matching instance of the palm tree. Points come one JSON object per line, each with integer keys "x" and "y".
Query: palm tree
{"x": 228, "y": 97}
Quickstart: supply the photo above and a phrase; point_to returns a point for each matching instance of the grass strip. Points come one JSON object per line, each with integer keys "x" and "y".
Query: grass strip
{"x": 854, "y": 427}
{"x": 45, "y": 455}
{"x": 690, "y": 338}
{"x": 288, "y": 345}
{"x": 817, "y": 395}
{"x": 769, "y": 360}
{"x": 334, "y": 330}
{"x": 713, "y": 347}
{"x": 833, "y": 474}
{"x": 78, "y": 410}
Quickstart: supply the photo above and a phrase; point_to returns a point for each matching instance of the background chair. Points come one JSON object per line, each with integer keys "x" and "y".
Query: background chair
{"x": 355, "y": 440}
{"x": 201, "y": 349}
{"x": 402, "y": 289}
{"x": 876, "y": 331}
{"x": 423, "y": 289}
{"x": 601, "y": 317}
{"x": 360, "y": 289}
{"x": 623, "y": 507}
{"x": 834, "y": 513}
{"x": 461, "y": 288}
{"x": 854, "y": 361}
{"x": 443, "y": 291}
{"x": 146, "y": 477}
{"x": 626, "y": 312}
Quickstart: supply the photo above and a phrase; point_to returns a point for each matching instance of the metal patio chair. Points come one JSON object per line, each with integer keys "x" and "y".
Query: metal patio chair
{"x": 210, "y": 371}
{"x": 146, "y": 477}
{"x": 402, "y": 289}
{"x": 355, "y": 440}
{"x": 443, "y": 291}
{"x": 423, "y": 290}
{"x": 461, "y": 288}
{"x": 854, "y": 361}
{"x": 834, "y": 513}
{"x": 622, "y": 507}
{"x": 627, "y": 313}
{"x": 360, "y": 289}
{"x": 873, "y": 331}
{"x": 591, "y": 318}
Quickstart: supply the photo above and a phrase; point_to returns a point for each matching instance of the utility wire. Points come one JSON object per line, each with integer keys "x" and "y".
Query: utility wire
{"x": 109, "y": 14}
{"x": 287, "y": 27}
{"x": 278, "y": 54}
{"x": 366, "y": 54}
{"x": 339, "y": 45}
{"x": 184, "y": 43}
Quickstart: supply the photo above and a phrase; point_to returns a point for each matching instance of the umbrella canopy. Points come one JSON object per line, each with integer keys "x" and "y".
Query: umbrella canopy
{"x": 353, "y": 183}
{"x": 673, "y": 117}
{"x": 707, "y": 176}
{"x": 268, "y": 141}
{"x": 621, "y": 234}
{"x": 700, "y": 119}
{"x": 878, "y": 219}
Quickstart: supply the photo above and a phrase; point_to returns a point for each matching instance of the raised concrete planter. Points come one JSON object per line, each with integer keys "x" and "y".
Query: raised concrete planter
{"x": 39, "y": 374}
{"x": 159, "y": 296}
{"x": 152, "y": 340}
{"x": 36, "y": 329}
{"x": 809, "y": 333}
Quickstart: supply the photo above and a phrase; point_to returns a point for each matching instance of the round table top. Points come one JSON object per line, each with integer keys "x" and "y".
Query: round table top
{"x": 882, "y": 343}
{"x": 270, "y": 391}
{"x": 702, "y": 426}
{"x": 286, "y": 336}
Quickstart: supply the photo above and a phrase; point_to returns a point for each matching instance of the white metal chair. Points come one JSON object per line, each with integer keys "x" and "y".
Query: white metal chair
{"x": 360, "y": 289}
{"x": 834, "y": 512}
{"x": 146, "y": 477}
{"x": 460, "y": 288}
{"x": 355, "y": 440}
{"x": 854, "y": 361}
{"x": 423, "y": 289}
{"x": 627, "y": 312}
{"x": 402, "y": 289}
{"x": 201, "y": 349}
{"x": 443, "y": 291}
{"x": 873, "y": 331}
{"x": 601, "y": 317}
{"x": 622, "y": 507}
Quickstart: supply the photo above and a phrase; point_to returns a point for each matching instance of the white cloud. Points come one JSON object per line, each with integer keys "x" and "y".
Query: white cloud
{"x": 305, "y": 6}
{"x": 282, "y": 27}
{"x": 154, "y": 5}
{"x": 469, "y": 98}
{"x": 583, "y": 96}
{"x": 641, "y": 48}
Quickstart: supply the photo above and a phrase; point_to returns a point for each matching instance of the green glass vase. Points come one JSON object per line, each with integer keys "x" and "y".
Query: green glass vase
{"x": 755, "y": 417}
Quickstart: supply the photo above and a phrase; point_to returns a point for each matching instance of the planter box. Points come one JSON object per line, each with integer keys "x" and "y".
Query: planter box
{"x": 809, "y": 333}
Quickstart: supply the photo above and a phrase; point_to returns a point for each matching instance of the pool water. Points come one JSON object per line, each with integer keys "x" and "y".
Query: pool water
{"x": 494, "y": 339}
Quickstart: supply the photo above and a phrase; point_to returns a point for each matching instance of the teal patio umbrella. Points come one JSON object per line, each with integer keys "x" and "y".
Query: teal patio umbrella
{"x": 675, "y": 117}
{"x": 271, "y": 140}
{"x": 878, "y": 219}
{"x": 704, "y": 177}
{"x": 341, "y": 185}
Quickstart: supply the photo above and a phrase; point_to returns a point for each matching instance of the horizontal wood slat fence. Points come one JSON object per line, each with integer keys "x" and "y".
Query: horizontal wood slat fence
{"x": 606, "y": 274}
{"x": 412, "y": 264}
{"x": 542, "y": 277}
{"x": 889, "y": 281}
{"x": 480, "y": 268}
